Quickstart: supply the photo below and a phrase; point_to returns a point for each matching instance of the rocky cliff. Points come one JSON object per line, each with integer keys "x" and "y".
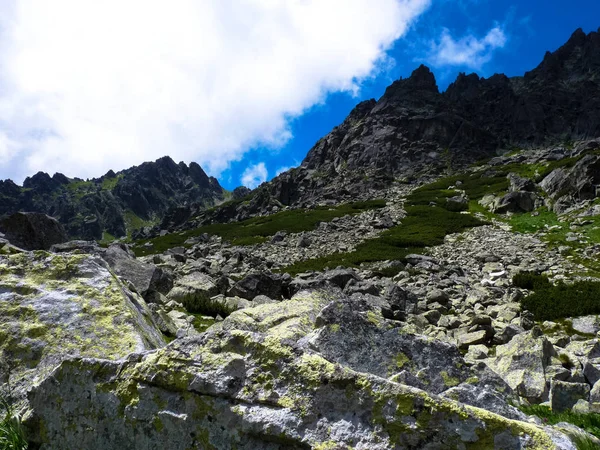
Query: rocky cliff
{"x": 116, "y": 203}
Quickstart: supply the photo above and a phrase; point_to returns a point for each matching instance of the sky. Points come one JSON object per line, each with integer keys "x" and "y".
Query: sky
{"x": 243, "y": 87}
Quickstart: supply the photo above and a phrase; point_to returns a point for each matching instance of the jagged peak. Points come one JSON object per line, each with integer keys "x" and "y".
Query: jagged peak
{"x": 423, "y": 78}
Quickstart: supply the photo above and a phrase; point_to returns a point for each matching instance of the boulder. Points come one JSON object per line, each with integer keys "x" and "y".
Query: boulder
{"x": 262, "y": 283}
{"x": 563, "y": 395}
{"x": 522, "y": 362}
{"x": 33, "y": 231}
{"x": 519, "y": 201}
{"x": 195, "y": 291}
{"x": 53, "y": 306}
{"x": 252, "y": 382}
{"x": 146, "y": 278}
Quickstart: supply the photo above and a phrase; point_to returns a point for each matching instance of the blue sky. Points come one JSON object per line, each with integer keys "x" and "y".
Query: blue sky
{"x": 531, "y": 27}
{"x": 243, "y": 87}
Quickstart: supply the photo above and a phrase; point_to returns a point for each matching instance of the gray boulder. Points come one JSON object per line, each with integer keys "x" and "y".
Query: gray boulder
{"x": 146, "y": 278}
{"x": 563, "y": 395}
{"x": 33, "y": 231}
{"x": 56, "y": 306}
{"x": 522, "y": 362}
{"x": 249, "y": 383}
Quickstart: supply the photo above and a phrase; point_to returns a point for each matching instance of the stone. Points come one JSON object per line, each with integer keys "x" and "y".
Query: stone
{"x": 54, "y": 306}
{"x": 564, "y": 395}
{"x": 262, "y": 283}
{"x": 467, "y": 339}
{"x": 145, "y": 277}
{"x": 439, "y": 296}
{"x": 195, "y": 288}
{"x": 33, "y": 231}
{"x": 250, "y": 382}
{"x": 591, "y": 371}
{"x": 522, "y": 362}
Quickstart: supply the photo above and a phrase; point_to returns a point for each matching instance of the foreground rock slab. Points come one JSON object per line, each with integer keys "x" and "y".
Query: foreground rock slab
{"x": 55, "y": 306}
{"x": 253, "y": 382}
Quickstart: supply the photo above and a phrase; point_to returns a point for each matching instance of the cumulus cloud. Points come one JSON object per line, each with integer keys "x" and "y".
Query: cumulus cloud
{"x": 86, "y": 85}
{"x": 254, "y": 175}
{"x": 468, "y": 51}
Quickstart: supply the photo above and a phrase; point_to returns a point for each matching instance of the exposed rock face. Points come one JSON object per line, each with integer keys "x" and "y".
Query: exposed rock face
{"x": 33, "y": 231}
{"x": 413, "y": 128}
{"x": 56, "y": 306}
{"x": 254, "y": 383}
{"x": 115, "y": 203}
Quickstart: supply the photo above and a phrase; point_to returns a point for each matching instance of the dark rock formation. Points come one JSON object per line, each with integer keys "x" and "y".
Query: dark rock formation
{"x": 33, "y": 231}
{"x": 116, "y": 203}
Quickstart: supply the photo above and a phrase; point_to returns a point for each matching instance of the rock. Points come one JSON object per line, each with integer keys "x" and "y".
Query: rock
{"x": 272, "y": 285}
{"x": 249, "y": 383}
{"x": 33, "y": 231}
{"x": 591, "y": 372}
{"x": 518, "y": 183}
{"x": 586, "y": 324}
{"x": 457, "y": 203}
{"x": 53, "y": 306}
{"x": 467, "y": 339}
{"x": 563, "y": 395}
{"x": 194, "y": 291}
{"x": 146, "y": 278}
{"x": 522, "y": 362}
{"x": 438, "y": 296}
{"x": 515, "y": 202}
{"x": 476, "y": 352}
{"x": 303, "y": 241}
{"x": 417, "y": 259}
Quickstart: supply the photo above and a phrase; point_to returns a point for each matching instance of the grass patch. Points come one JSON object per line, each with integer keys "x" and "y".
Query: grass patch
{"x": 424, "y": 226}
{"x": 12, "y": 435}
{"x": 108, "y": 184}
{"x": 134, "y": 222}
{"x": 588, "y": 422}
{"x": 259, "y": 229}
{"x": 560, "y": 301}
{"x": 531, "y": 281}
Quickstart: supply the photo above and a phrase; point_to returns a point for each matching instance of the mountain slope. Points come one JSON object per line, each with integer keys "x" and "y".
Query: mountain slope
{"x": 116, "y": 203}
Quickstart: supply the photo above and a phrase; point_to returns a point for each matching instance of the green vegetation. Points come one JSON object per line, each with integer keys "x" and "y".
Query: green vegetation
{"x": 108, "y": 184}
{"x": 12, "y": 435}
{"x": 134, "y": 222}
{"x": 531, "y": 281}
{"x": 552, "y": 302}
{"x": 588, "y": 422}
{"x": 424, "y": 226}
{"x": 259, "y": 229}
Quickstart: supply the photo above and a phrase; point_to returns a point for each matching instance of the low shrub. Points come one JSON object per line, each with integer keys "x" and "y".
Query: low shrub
{"x": 530, "y": 280}
{"x": 258, "y": 229}
{"x": 552, "y": 302}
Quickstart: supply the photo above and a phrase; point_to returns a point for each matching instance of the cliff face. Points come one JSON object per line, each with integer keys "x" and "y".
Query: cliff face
{"x": 414, "y": 128}
{"x": 115, "y": 203}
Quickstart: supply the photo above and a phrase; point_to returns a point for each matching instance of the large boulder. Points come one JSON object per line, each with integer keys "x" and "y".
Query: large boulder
{"x": 262, "y": 283}
{"x": 146, "y": 278}
{"x": 522, "y": 363}
{"x": 33, "y": 231}
{"x": 57, "y": 306}
{"x": 253, "y": 382}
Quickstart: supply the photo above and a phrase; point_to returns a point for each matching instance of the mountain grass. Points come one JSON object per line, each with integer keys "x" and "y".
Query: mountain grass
{"x": 12, "y": 435}
{"x": 258, "y": 229}
{"x": 424, "y": 226}
{"x": 560, "y": 301}
{"x": 588, "y": 422}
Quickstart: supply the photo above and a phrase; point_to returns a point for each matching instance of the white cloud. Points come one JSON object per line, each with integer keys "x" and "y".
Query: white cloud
{"x": 254, "y": 175}
{"x": 468, "y": 51}
{"x": 89, "y": 85}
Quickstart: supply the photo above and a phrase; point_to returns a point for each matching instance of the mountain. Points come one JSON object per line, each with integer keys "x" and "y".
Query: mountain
{"x": 116, "y": 203}
{"x": 414, "y": 128}
{"x": 395, "y": 291}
